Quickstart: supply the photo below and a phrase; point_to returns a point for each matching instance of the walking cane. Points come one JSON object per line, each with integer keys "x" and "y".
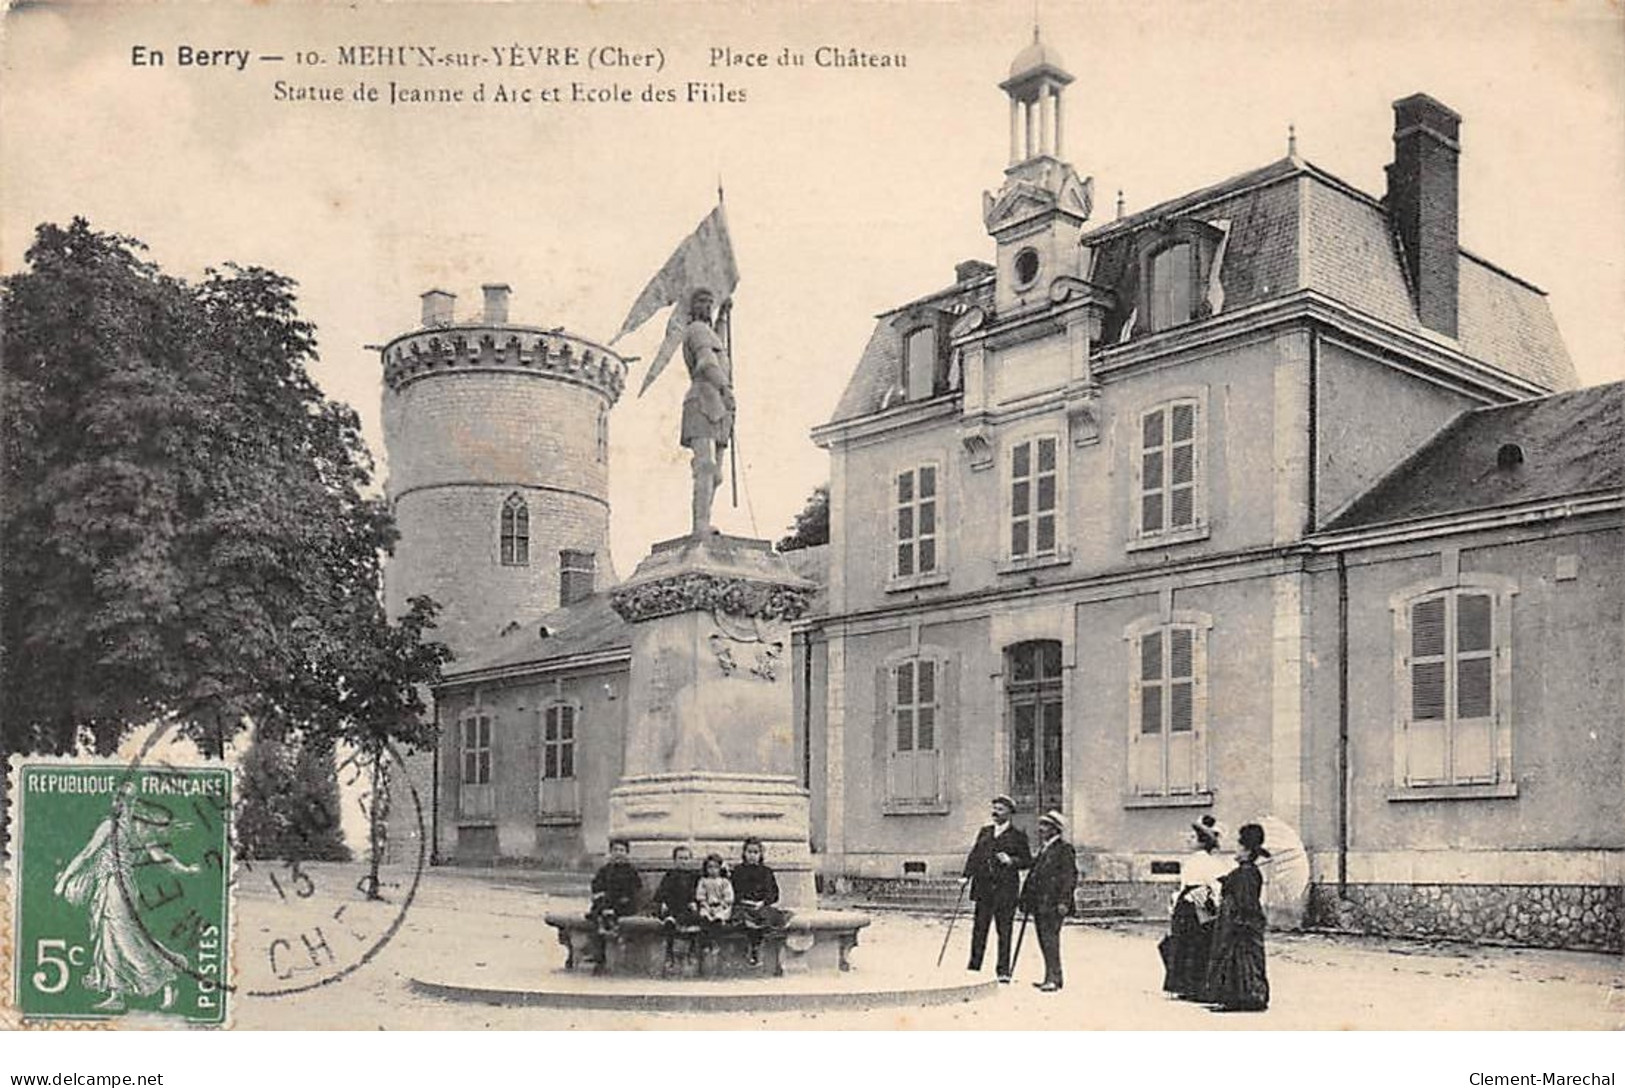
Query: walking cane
{"x": 958, "y": 904}
{"x": 1015, "y": 957}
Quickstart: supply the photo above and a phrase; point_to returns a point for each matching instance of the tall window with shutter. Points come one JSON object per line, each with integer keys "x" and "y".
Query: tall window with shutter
{"x": 559, "y": 797}
{"x": 914, "y": 764}
{"x": 1168, "y": 707}
{"x": 477, "y": 798}
{"x": 1453, "y": 669}
{"x": 1169, "y": 469}
{"x": 918, "y": 504}
{"x": 1034, "y": 497}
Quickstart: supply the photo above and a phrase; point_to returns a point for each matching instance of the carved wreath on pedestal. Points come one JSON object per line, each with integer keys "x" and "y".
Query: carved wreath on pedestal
{"x": 700, "y": 592}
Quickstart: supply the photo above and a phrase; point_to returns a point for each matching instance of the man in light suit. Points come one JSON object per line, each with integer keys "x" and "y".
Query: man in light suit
{"x": 1047, "y": 896}
{"x": 993, "y": 870}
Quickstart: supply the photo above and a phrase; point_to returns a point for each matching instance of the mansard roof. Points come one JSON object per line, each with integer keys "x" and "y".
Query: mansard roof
{"x": 1290, "y": 227}
{"x": 1543, "y": 450}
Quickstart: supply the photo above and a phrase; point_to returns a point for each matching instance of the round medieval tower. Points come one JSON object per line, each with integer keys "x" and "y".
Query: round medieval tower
{"x": 498, "y": 443}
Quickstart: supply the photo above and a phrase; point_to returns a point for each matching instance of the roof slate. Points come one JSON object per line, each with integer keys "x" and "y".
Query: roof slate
{"x": 1351, "y": 257}
{"x": 588, "y": 626}
{"x": 1572, "y": 445}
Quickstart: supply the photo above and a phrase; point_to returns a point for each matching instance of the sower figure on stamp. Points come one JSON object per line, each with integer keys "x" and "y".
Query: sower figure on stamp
{"x": 125, "y": 960}
{"x": 993, "y": 869}
{"x": 1047, "y": 896}
{"x": 708, "y": 407}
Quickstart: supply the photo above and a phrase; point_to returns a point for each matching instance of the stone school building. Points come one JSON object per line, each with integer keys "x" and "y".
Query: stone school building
{"x": 1266, "y": 500}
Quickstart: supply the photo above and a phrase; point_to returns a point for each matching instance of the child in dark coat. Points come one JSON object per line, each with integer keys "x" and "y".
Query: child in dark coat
{"x": 674, "y": 901}
{"x": 616, "y": 888}
{"x": 756, "y": 890}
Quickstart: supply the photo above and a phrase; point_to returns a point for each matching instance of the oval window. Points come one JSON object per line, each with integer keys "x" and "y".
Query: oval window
{"x": 1026, "y": 267}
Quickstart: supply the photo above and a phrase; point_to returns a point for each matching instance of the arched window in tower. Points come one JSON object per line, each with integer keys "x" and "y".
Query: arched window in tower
{"x": 603, "y": 436}
{"x": 515, "y": 532}
{"x": 1173, "y": 286}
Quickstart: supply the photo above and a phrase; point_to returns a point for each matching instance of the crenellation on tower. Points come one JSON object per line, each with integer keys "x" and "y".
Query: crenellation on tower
{"x": 496, "y": 435}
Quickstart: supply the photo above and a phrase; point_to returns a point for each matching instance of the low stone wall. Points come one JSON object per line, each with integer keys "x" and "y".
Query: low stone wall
{"x": 1578, "y": 917}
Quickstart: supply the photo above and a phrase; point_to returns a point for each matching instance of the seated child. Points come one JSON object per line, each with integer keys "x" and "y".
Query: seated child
{"x": 615, "y": 891}
{"x": 756, "y": 891}
{"x": 674, "y": 899}
{"x": 713, "y": 894}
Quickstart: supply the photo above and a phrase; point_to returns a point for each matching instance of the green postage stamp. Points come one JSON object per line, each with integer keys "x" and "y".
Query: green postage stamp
{"x": 120, "y": 882}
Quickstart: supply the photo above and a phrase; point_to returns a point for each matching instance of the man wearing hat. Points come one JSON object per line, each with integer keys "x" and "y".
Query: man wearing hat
{"x": 994, "y": 871}
{"x": 1047, "y": 897}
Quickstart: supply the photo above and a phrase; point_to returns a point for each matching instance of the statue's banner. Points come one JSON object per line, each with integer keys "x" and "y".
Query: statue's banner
{"x": 703, "y": 259}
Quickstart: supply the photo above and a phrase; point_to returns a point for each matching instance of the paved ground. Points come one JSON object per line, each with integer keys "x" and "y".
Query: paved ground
{"x": 490, "y": 923}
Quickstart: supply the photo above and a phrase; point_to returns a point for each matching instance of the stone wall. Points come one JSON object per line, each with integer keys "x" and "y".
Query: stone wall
{"x": 1579, "y": 917}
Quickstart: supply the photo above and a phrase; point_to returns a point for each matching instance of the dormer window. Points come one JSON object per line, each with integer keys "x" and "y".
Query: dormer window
{"x": 1172, "y": 290}
{"x": 920, "y": 357}
{"x": 1175, "y": 276}
{"x": 925, "y": 355}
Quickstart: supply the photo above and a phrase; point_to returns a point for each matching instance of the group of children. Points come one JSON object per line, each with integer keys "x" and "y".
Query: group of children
{"x": 692, "y": 903}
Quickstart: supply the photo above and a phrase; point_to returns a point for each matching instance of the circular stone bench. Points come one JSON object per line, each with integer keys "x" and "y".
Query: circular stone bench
{"x": 811, "y": 942}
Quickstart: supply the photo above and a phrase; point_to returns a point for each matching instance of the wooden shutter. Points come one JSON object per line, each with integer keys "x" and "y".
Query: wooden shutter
{"x": 1181, "y": 723}
{"x": 1427, "y": 742}
{"x": 1146, "y": 732}
{"x": 1473, "y": 731}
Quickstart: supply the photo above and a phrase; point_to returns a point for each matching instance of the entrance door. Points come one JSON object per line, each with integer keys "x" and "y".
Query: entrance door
{"x": 1036, "y": 752}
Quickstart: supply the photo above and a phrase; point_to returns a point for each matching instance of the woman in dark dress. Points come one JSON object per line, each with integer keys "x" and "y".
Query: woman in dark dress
{"x": 1189, "y": 944}
{"x": 1236, "y": 981}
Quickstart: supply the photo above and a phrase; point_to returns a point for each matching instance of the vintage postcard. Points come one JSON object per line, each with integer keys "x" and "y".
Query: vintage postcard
{"x": 854, "y": 515}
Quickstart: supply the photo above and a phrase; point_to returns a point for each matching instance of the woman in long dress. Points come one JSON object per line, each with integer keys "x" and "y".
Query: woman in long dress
{"x": 1189, "y": 944}
{"x": 126, "y": 960}
{"x": 1236, "y": 980}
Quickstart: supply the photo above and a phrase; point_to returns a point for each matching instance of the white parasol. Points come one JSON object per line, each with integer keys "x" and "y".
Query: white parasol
{"x": 1286, "y": 875}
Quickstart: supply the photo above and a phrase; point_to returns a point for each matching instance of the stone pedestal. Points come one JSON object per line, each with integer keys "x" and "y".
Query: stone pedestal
{"x": 710, "y": 755}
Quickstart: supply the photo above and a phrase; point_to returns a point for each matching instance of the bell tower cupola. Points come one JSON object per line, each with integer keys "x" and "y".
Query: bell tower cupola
{"x": 1038, "y": 213}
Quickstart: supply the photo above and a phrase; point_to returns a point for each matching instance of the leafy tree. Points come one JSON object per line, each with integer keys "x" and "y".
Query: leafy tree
{"x": 383, "y": 671}
{"x": 186, "y": 533}
{"x": 811, "y": 527}
{"x": 290, "y": 805}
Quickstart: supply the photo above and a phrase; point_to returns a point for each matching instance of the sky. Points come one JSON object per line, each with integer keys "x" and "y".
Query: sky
{"x": 849, "y": 190}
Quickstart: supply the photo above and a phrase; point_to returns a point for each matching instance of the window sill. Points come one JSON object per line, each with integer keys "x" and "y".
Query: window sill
{"x": 906, "y": 583}
{"x": 1061, "y": 558}
{"x": 1486, "y": 792}
{"x": 1170, "y": 800}
{"x": 914, "y": 808}
{"x": 1168, "y": 540}
{"x": 559, "y": 819}
{"x": 476, "y": 821}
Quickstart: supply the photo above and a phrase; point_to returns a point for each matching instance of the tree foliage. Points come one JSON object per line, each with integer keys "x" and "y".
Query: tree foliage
{"x": 186, "y": 532}
{"x": 811, "y": 527}
{"x": 290, "y": 807}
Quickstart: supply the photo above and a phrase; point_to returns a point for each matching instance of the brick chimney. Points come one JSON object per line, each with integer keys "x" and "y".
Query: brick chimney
{"x": 577, "y": 573}
{"x": 1422, "y": 184}
{"x": 437, "y": 308}
{"x": 496, "y": 303}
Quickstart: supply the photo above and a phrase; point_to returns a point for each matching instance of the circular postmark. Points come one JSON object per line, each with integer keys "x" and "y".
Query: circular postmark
{"x": 279, "y": 927}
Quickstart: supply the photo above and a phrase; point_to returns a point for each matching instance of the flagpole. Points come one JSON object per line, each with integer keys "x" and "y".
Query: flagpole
{"x": 733, "y": 437}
